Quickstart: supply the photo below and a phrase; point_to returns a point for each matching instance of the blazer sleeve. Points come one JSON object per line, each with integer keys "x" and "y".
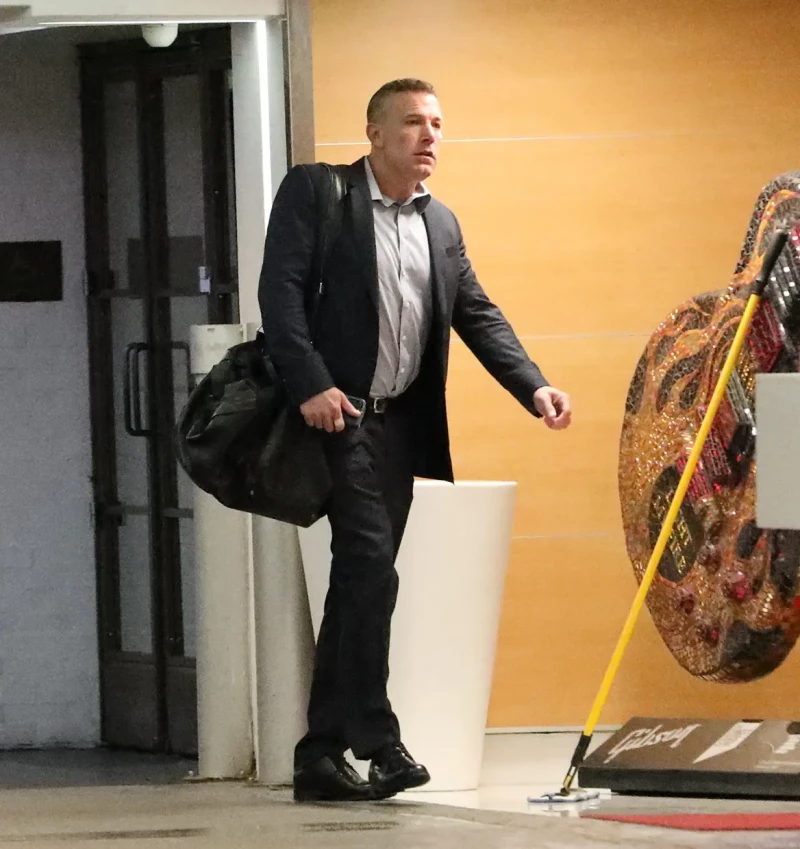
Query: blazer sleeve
{"x": 487, "y": 333}
{"x": 283, "y": 287}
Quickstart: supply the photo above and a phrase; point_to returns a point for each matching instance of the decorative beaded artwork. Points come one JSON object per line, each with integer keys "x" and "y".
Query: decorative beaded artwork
{"x": 725, "y": 595}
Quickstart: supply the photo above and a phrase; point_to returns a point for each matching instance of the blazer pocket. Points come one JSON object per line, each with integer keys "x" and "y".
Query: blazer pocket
{"x": 451, "y": 251}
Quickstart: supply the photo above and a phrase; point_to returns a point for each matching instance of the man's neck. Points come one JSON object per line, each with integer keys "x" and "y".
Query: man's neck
{"x": 394, "y": 187}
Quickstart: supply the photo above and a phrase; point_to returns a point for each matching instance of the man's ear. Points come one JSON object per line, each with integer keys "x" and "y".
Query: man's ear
{"x": 374, "y": 135}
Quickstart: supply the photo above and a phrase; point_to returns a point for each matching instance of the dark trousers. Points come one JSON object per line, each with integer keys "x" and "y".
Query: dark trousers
{"x": 371, "y": 467}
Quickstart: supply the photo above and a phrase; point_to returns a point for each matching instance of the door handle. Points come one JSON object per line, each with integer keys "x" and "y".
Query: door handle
{"x": 132, "y": 390}
{"x": 184, "y": 346}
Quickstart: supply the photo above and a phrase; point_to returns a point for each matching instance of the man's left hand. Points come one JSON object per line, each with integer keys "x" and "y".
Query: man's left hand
{"x": 554, "y": 406}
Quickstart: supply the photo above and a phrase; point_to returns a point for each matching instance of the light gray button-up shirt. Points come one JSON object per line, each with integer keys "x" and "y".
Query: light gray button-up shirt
{"x": 405, "y": 292}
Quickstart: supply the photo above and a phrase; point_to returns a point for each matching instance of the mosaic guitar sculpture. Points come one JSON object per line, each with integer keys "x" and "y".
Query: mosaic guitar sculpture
{"x": 725, "y": 598}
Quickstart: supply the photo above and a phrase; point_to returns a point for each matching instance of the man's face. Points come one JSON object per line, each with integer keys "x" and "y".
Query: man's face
{"x": 408, "y": 134}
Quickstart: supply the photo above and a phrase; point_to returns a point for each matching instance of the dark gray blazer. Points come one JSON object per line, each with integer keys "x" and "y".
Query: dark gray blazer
{"x": 345, "y": 348}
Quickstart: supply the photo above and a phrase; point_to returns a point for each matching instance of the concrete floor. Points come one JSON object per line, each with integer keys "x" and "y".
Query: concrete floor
{"x": 97, "y": 799}
{"x": 28, "y": 768}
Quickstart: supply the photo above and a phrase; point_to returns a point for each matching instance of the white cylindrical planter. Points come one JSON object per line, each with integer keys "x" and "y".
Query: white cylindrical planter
{"x": 284, "y": 648}
{"x": 224, "y": 716}
{"x": 452, "y": 567}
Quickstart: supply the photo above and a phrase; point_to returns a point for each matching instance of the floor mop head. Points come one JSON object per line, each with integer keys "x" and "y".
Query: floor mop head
{"x": 570, "y": 797}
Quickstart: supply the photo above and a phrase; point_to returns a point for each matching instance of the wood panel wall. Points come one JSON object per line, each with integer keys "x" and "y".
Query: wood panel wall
{"x": 603, "y": 159}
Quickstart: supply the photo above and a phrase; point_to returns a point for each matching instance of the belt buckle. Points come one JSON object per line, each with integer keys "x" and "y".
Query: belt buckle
{"x": 378, "y": 405}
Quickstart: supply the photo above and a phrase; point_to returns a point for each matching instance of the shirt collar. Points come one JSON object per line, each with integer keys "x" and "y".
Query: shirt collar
{"x": 421, "y": 197}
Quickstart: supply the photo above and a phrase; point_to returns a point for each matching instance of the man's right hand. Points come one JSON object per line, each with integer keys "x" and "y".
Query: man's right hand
{"x": 326, "y": 410}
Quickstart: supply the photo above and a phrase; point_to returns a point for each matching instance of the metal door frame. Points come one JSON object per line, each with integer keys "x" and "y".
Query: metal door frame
{"x": 207, "y": 54}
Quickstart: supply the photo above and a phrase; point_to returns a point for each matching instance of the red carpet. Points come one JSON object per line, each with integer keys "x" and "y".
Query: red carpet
{"x": 708, "y": 822}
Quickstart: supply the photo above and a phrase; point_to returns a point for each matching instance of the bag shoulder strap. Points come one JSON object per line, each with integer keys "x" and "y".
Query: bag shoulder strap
{"x": 330, "y": 187}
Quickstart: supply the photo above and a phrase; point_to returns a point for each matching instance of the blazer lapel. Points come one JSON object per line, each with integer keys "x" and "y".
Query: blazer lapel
{"x": 364, "y": 226}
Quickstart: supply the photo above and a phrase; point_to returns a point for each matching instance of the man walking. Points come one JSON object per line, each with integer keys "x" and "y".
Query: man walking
{"x": 396, "y": 282}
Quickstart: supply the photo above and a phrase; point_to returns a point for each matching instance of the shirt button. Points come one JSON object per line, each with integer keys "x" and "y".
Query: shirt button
{"x": 405, "y": 338}
{"x": 403, "y": 370}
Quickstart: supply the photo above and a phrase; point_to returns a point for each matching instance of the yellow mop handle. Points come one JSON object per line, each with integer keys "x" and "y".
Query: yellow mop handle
{"x": 771, "y": 256}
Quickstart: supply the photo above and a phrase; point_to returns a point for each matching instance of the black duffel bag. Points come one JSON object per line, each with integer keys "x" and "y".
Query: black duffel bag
{"x": 241, "y": 439}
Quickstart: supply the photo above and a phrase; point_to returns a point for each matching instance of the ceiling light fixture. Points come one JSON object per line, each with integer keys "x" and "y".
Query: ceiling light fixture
{"x": 159, "y": 35}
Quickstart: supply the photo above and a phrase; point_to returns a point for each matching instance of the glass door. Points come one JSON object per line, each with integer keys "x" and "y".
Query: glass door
{"x": 160, "y": 242}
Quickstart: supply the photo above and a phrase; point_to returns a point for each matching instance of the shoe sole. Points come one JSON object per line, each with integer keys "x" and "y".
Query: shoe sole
{"x": 399, "y": 784}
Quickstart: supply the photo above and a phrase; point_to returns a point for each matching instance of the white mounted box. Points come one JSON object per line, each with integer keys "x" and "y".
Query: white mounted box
{"x": 778, "y": 451}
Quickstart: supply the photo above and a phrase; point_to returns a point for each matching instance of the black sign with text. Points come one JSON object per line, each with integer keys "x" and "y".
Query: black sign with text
{"x": 697, "y": 756}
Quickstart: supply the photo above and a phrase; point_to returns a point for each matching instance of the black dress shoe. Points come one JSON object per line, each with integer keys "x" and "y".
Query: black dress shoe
{"x": 332, "y": 779}
{"x": 393, "y": 770}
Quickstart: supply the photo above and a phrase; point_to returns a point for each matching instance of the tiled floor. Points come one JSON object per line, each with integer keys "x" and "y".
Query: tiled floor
{"x": 516, "y": 766}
